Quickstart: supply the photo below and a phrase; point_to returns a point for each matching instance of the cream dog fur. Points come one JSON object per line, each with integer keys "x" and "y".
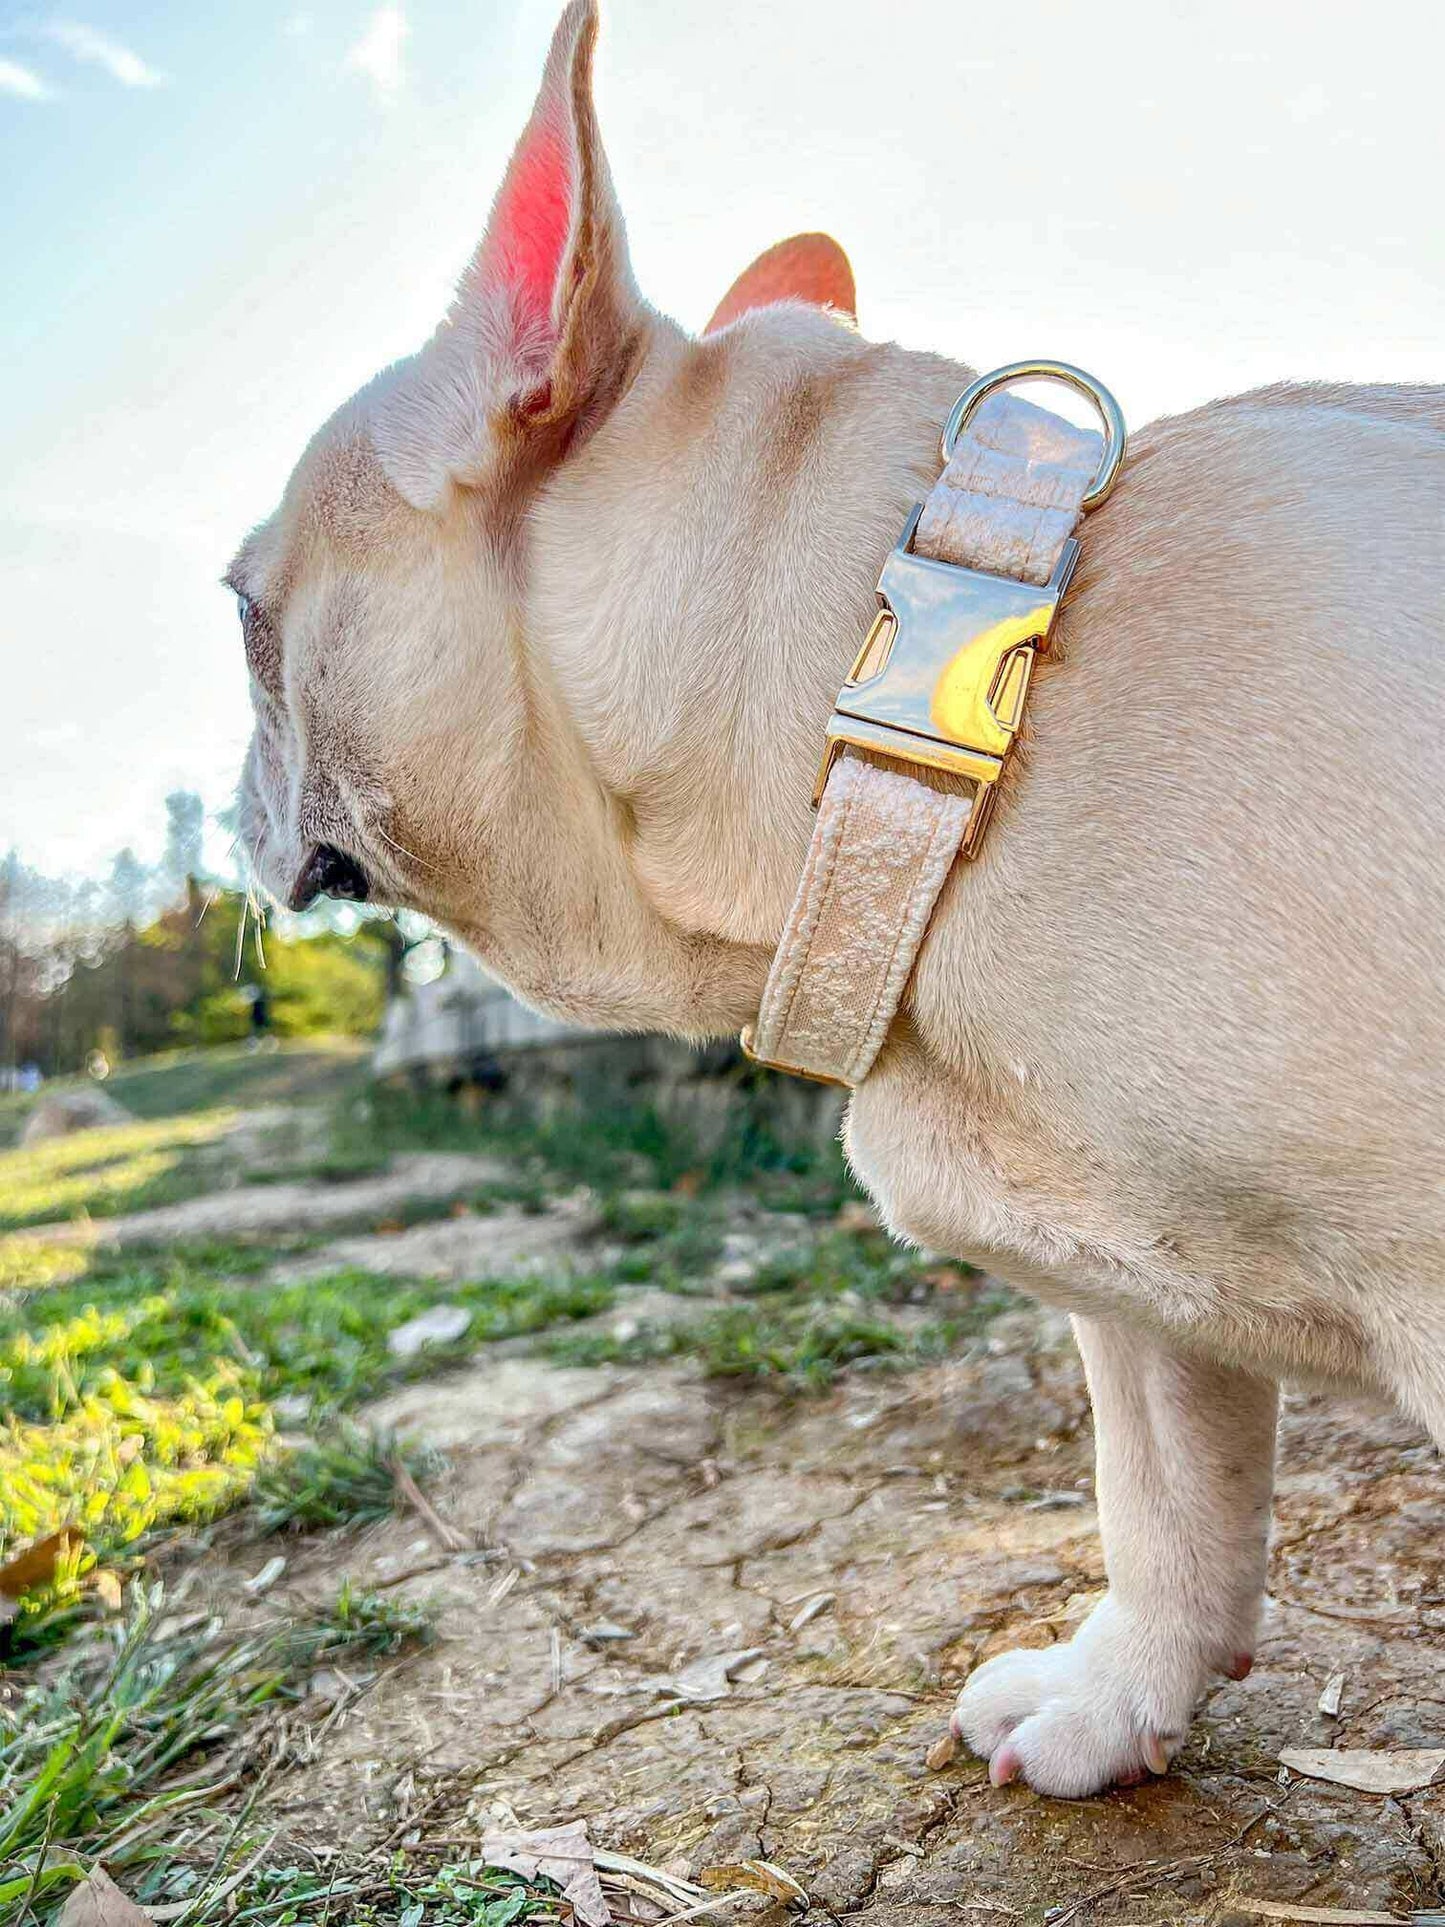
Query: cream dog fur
{"x": 543, "y": 638}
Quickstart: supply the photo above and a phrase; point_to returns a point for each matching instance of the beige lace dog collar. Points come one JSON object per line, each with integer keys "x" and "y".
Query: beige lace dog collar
{"x": 937, "y": 693}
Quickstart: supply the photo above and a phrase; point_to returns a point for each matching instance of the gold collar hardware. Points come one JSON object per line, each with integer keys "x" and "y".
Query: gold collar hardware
{"x": 943, "y": 674}
{"x": 939, "y": 686}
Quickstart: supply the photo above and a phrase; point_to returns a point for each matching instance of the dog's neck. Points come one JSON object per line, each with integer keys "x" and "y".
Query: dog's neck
{"x": 682, "y": 658}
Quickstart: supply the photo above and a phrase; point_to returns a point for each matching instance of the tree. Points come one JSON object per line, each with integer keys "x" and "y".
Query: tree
{"x": 182, "y": 863}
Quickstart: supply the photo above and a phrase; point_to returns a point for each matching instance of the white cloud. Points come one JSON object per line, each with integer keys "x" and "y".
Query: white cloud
{"x": 85, "y": 43}
{"x": 21, "y": 82}
{"x": 378, "y": 53}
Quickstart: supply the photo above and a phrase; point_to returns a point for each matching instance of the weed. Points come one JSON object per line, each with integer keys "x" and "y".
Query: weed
{"x": 802, "y": 1347}
{"x": 344, "y": 1476}
{"x": 471, "y": 1894}
{"x": 91, "y": 1759}
{"x": 369, "y": 1622}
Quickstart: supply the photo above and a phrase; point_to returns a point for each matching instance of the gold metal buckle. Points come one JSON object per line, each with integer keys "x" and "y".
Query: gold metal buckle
{"x": 943, "y": 674}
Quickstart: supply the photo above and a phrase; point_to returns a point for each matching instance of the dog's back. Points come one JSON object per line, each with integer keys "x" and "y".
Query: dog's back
{"x": 1220, "y": 875}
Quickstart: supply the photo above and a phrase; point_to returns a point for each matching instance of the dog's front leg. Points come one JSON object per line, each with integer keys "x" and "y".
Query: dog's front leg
{"x": 1185, "y": 1466}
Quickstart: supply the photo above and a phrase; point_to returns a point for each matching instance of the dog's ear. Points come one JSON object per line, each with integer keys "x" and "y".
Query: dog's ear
{"x": 806, "y": 267}
{"x": 546, "y": 314}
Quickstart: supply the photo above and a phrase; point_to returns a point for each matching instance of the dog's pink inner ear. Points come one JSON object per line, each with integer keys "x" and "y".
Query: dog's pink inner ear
{"x": 528, "y": 233}
{"x": 806, "y": 267}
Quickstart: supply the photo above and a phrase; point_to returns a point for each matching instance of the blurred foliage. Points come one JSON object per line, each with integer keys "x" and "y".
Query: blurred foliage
{"x": 119, "y": 1167}
{"x": 607, "y": 1141}
{"x": 156, "y": 956}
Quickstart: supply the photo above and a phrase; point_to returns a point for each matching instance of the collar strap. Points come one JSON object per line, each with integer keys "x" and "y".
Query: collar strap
{"x": 925, "y": 723}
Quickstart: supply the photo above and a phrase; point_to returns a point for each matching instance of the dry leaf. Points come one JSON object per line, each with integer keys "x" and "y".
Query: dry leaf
{"x": 942, "y": 1753}
{"x": 819, "y": 1603}
{"x": 98, "y": 1902}
{"x": 856, "y": 1214}
{"x": 563, "y": 1854}
{"x": 38, "y": 1564}
{"x": 1400, "y": 1770}
{"x": 707, "y": 1679}
{"x": 1329, "y": 1702}
{"x": 756, "y": 1877}
{"x": 108, "y": 1590}
{"x": 947, "y": 1278}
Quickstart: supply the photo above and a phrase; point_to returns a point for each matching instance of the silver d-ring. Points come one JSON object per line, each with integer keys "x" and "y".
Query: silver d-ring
{"x": 1109, "y": 412}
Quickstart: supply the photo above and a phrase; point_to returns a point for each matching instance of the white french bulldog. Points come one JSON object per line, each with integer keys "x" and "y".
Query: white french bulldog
{"x": 543, "y": 639}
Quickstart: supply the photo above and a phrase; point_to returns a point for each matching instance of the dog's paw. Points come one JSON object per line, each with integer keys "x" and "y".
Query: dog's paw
{"x": 1071, "y": 1720}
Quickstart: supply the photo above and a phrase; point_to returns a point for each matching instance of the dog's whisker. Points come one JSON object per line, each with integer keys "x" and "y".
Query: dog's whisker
{"x": 402, "y": 850}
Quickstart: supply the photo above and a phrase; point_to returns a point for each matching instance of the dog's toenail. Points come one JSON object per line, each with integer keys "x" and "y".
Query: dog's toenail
{"x": 1155, "y": 1757}
{"x": 1004, "y": 1766}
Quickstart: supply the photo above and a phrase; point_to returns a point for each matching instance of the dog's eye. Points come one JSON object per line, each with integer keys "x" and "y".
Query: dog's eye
{"x": 263, "y": 656}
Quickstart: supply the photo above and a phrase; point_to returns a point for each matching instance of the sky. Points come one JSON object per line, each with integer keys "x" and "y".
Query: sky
{"x": 217, "y": 221}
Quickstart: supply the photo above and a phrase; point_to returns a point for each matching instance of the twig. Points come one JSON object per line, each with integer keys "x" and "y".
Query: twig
{"x": 1153, "y": 1873}
{"x": 409, "y": 1572}
{"x": 1325, "y": 1916}
{"x": 447, "y": 1536}
{"x": 1353, "y": 1615}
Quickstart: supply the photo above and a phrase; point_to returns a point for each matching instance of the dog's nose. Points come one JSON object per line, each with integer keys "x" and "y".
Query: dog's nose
{"x": 329, "y": 872}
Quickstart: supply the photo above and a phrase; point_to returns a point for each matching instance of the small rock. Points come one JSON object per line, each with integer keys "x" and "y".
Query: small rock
{"x": 59, "y": 1113}
{"x": 266, "y": 1578}
{"x": 706, "y": 1680}
{"x": 735, "y": 1271}
{"x": 440, "y": 1325}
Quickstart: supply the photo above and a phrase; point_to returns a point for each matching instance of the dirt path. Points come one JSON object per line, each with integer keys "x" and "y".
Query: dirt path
{"x": 641, "y": 1535}
{"x": 268, "y": 1210}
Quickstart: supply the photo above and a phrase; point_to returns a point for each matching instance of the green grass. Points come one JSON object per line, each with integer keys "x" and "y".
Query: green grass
{"x": 141, "y": 1395}
{"x": 316, "y": 1070}
{"x": 119, "y": 1754}
{"x": 608, "y": 1143}
{"x": 345, "y": 1475}
{"x": 139, "y": 1391}
{"x": 313, "y": 1071}
{"x": 124, "y": 1167}
{"x": 130, "y": 1752}
{"x": 800, "y": 1347}
{"x": 830, "y": 1301}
